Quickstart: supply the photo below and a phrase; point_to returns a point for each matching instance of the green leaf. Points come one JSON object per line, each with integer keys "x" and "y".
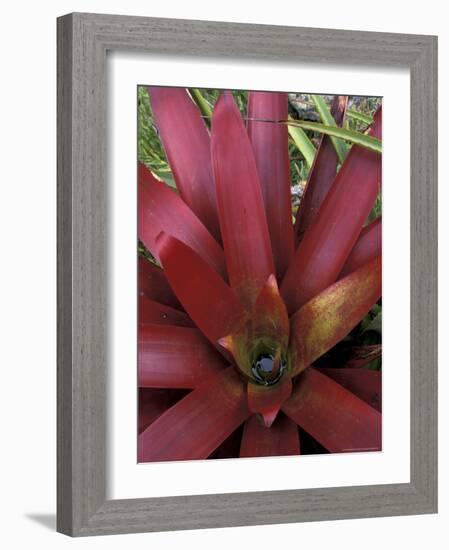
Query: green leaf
{"x": 327, "y": 118}
{"x": 150, "y": 149}
{"x": 375, "y": 325}
{"x": 302, "y": 142}
{"x": 349, "y": 135}
{"x": 203, "y": 104}
{"x": 356, "y": 115}
{"x": 166, "y": 176}
{"x": 376, "y": 210}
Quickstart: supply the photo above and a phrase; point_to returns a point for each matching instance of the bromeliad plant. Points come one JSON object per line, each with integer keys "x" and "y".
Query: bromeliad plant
{"x": 246, "y": 302}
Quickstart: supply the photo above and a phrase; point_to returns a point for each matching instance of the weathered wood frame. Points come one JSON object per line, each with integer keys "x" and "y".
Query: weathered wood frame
{"x": 83, "y": 40}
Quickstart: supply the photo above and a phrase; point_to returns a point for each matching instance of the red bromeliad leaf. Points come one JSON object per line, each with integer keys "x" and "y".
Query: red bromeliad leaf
{"x": 280, "y": 440}
{"x": 270, "y": 146}
{"x": 333, "y": 313}
{"x": 241, "y": 210}
{"x": 236, "y": 348}
{"x": 329, "y": 240}
{"x": 367, "y": 247}
{"x": 187, "y": 144}
{"x": 153, "y": 284}
{"x": 269, "y": 317}
{"x": 160, "y": 209}
{"x": 154, "y": 312}
{"x": 267, "y": 400}
{"x": 194, "y": 427}
{"x": 230, "y": 447}
{"x": 175, "y": 357}
{"x": 322, "y": 173}
{"x": 209, "y": 301}
{"x": 153, "y": 402}
{"x": 332, "y": 415}
{"x": 366, "y": 384}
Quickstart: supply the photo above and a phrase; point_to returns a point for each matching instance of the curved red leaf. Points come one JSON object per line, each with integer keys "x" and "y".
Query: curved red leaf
{"x": 366, "y": 384}
{"x": 161, "y": 209}
{"x": 281, "y": 439}
{"x": 209, "y": 301}
{"x": 240, "y": 204}
{"x": 187, "y": 145}
{"x": 334, "y": 416}
{"x": 367, "y": 247}
{"x": 196, "y": 425}
{"x": 175, "y": 357}
{"x": 154, "y": 312}
{"x": 231, "y": 446}
{"x": 270, "y": 146}
{"x": 154, "y": 285}
{"x": 267, "y": 400}
{"x": 332, "y": 314}
{"x": 153, "y": 402}
{"x": 321, "y": 175}
{"x": 329, "y": 240}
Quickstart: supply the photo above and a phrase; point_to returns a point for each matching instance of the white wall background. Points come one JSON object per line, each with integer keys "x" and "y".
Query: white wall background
{"x": 27, "y": 289}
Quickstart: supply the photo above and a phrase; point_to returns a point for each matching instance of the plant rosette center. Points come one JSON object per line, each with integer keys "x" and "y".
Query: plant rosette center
{"x": 267, "y": 368}
{"x": 259, "y": 349}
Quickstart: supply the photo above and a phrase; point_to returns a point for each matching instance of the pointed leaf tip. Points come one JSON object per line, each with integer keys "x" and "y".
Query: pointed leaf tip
{"x": 269, "y": 418}
{"x": 267, "y": 400}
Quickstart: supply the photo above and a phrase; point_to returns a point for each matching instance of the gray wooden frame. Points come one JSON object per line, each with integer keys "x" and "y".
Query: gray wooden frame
{"x": 83, "y": 40}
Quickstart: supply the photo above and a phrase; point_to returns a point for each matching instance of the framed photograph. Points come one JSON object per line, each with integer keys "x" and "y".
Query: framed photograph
{"x": 237, "y": 205}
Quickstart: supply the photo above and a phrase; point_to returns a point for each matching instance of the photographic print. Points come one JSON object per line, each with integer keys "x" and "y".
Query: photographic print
{"x": 259, "y": 262}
